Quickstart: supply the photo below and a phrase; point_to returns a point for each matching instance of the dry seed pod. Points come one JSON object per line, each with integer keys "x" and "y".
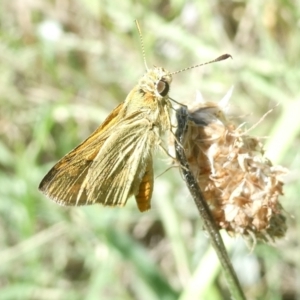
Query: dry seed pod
{"x": 240, "y": 185}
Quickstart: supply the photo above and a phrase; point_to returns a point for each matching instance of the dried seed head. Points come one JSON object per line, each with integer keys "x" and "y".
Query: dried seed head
{"x": 240, "y": 185}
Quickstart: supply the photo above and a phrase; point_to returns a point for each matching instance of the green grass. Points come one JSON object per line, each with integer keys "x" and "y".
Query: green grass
{"x": 53, "y": 94}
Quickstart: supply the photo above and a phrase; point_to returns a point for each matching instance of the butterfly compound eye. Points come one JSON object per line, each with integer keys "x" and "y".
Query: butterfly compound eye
{"x": 162, "y": 88}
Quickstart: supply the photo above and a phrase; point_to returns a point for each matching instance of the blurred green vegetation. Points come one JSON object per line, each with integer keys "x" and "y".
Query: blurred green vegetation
{"x": 64, "y": 66}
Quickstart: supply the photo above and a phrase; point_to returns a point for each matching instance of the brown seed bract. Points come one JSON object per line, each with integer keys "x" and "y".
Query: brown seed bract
{"x": 240, "y": 185}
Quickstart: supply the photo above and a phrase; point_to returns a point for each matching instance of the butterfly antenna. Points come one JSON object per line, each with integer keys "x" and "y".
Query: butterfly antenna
{"x": 222, "y": 57}
{"x": 142, "y": 43}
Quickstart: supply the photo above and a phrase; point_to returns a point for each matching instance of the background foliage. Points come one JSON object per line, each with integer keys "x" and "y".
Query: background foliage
{"x": 64, "y": 66}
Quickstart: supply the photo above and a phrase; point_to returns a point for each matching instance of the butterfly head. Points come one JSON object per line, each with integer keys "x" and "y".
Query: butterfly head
{"x": 156, "y": 81}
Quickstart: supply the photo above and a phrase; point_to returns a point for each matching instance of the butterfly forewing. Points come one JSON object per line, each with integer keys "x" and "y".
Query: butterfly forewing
{"x": 103, "y": 174}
